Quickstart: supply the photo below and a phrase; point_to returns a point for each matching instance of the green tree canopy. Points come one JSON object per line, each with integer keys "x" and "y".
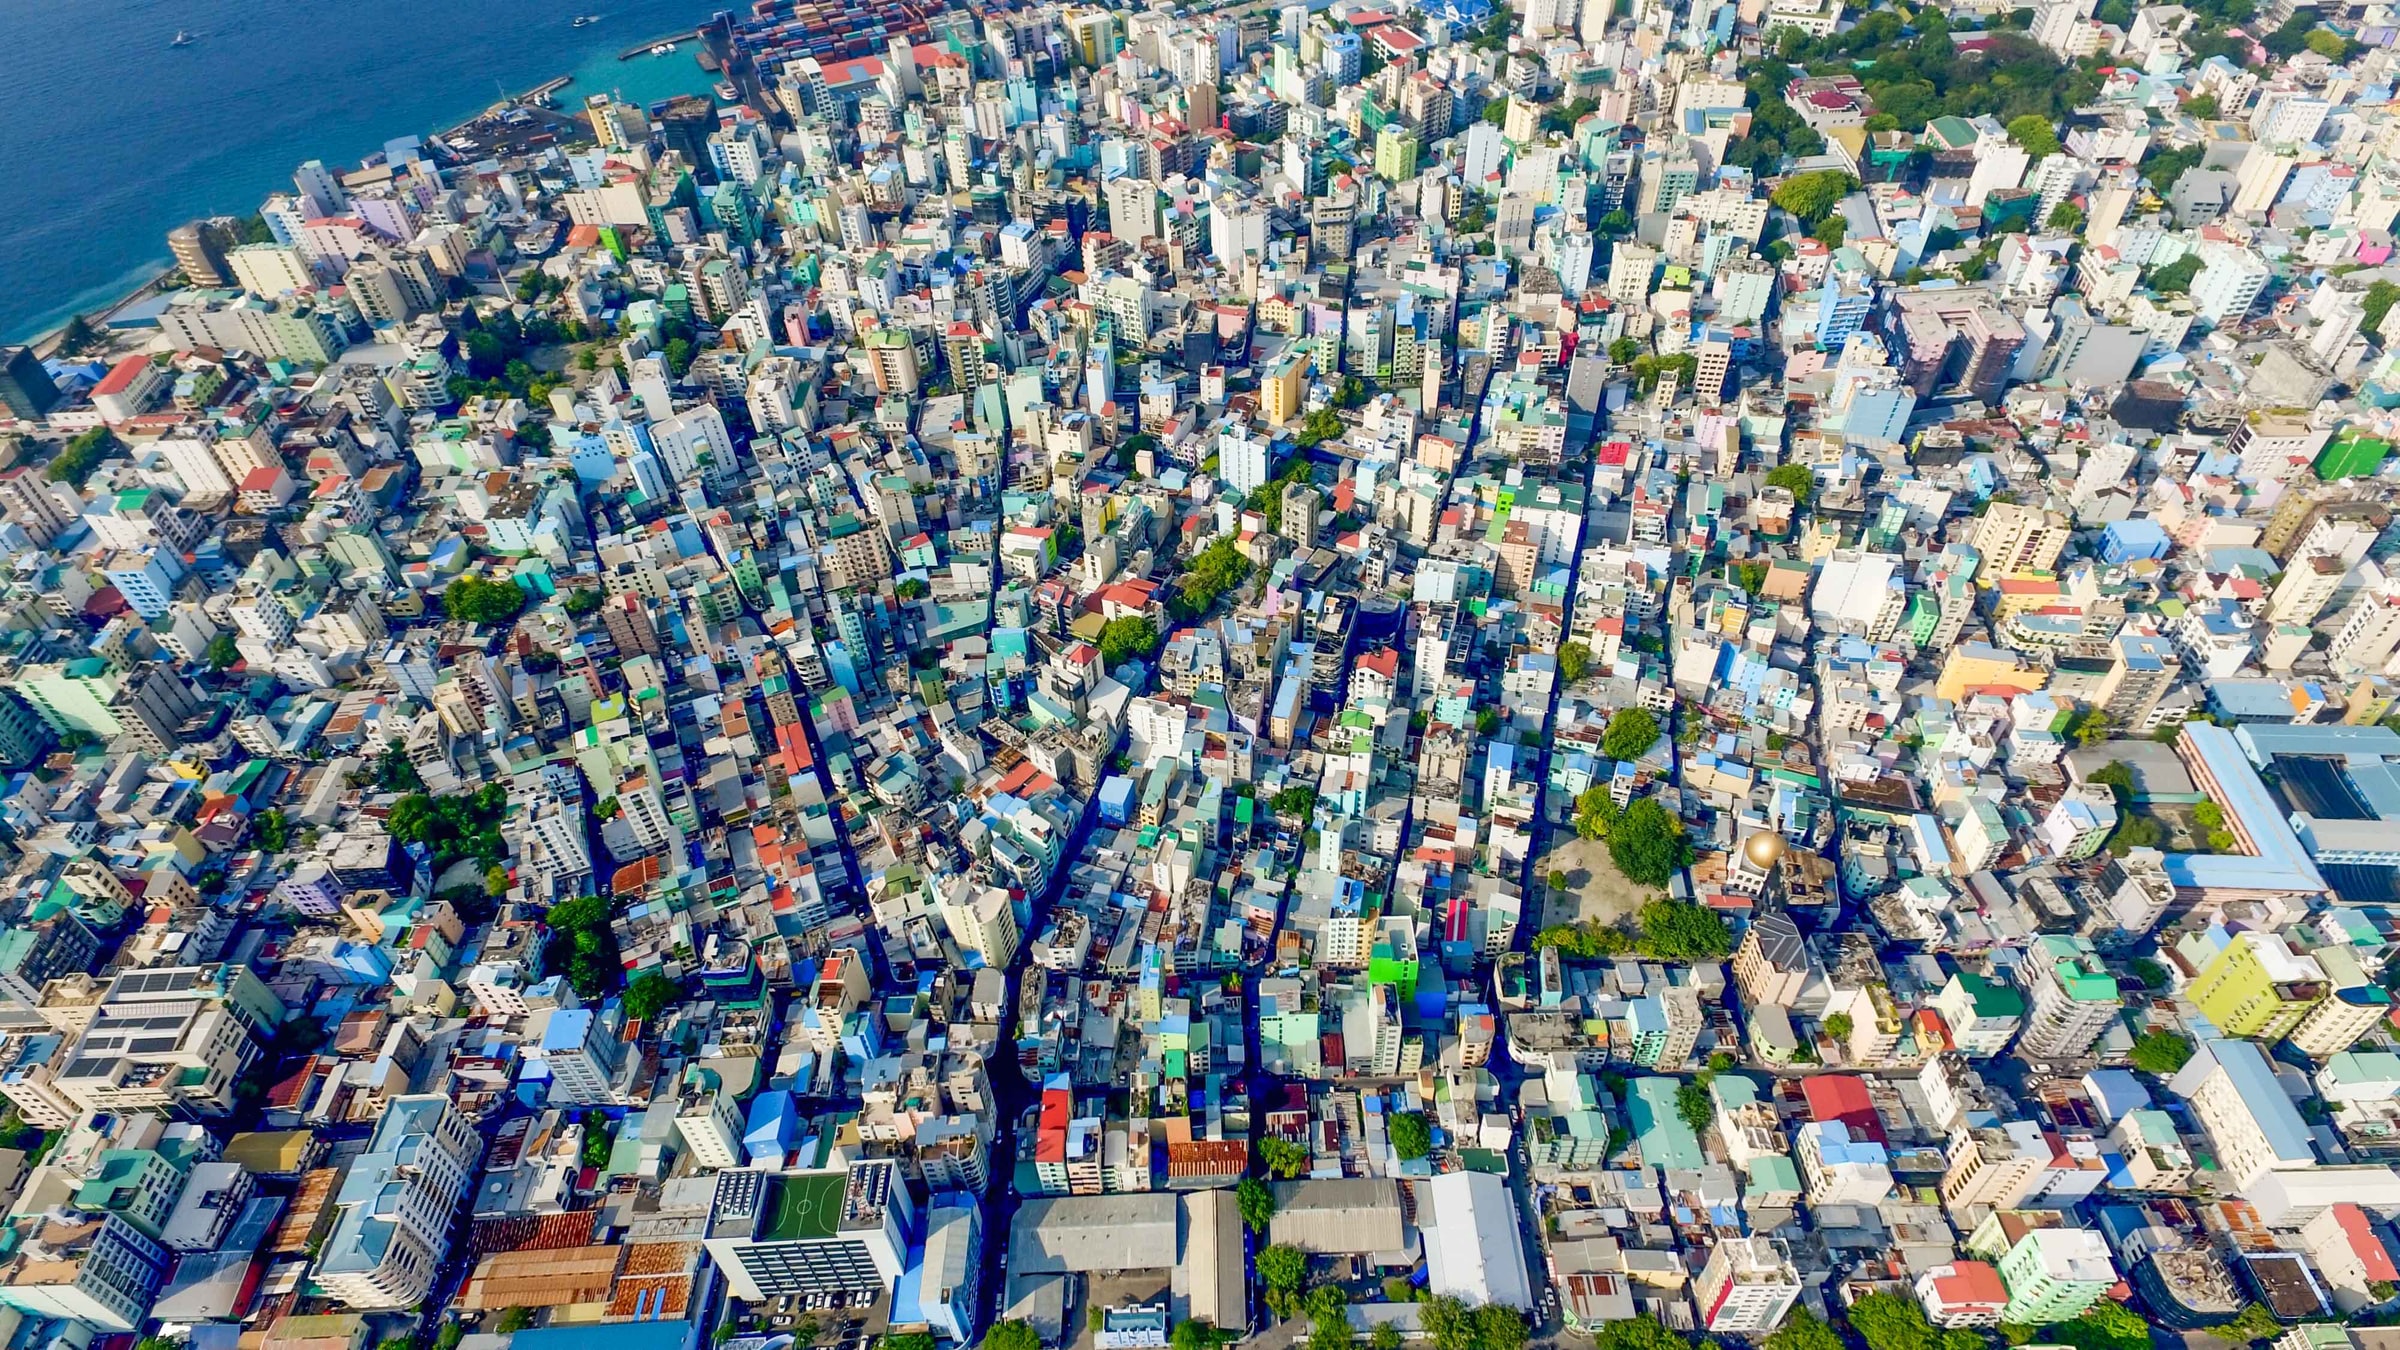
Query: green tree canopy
{"x": 1125, "y": 638}
{"x": 1281, "y": 1158}
{"x": 1891, "y": 1322}
{"x": 1574, "y": 661}
{"x": 1648, "y": 845}
{"x": 222, "y": 652}
{"x": 650, "y": 994}
{"x": 1812, "y": 196}
{"x": 1257, "y": 1203}
{"x": 1802, "y": 1330}
{"x": 1695, "y": 1107}
{"x": 475, "y": 600}
{"x": 1596, "y": 812}
{"x": 1679, "y": 930}
{"x": 1412, "y": 1135}
{"x": 1631, "y": 732}
{"x": 1019, "y": 1334}
{"x": 2161, "y": 1052}
{"x": 1796, "y": 479}
{"x": 2035, "y": 134}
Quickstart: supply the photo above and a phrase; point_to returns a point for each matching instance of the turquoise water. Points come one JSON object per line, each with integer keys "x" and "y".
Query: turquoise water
{"x": 109, "y": 137}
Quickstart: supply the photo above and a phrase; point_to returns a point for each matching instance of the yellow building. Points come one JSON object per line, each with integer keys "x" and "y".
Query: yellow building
{"x": 2254, "y": 985}
{"x": 1284, "y": 386}
{"x": 1979, "y": 665}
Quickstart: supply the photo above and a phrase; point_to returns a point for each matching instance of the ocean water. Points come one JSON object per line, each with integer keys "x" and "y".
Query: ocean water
{"x": 110, "y": 137}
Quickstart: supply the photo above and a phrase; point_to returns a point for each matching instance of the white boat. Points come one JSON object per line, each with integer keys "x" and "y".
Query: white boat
{"x": 661, "y": 49}
{"x": 182, "y": 39}
{"x": 726, "y": 91}
{"x": 585, "y": 20}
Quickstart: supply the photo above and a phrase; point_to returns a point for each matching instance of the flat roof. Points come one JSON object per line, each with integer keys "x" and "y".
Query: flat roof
{"x": 2281, "y": 863}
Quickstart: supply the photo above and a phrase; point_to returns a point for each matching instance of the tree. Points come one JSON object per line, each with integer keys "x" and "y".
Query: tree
{"x": 1190, "y": 1334}
{"x": 222, "y": 652}
{"x": 1839, "y": 1026}
{"x": 1256, "y": 1202}
{"x": 1812, "y": 196}
{"x": 1637, "y": 1333}
{"x": 1018, "y": 1334}
{"x": 450, "y": 1335}
{"x": 1678, "y": 930}
{"x": 2109, "y": 1325}
{"x": 1447, "y": 1323}
{"x": 1647, "y": 845}
{"x": 1750, "y": 576}
{"x": 1282, "y": 1269}
{"x": 912, "y": 588}
{"x": 1385, "y": 1336}
{"x": 1496, "y": 112}
{"x": 1328, "y": 1319}
{"x": 495, "y": 881}
{"x": 1890, "y": 1322}
{"x": 1297, "y": 803}
{"x": 2176, "y": 277}
{"x": 1802, "y": 1330}
{"x": 1830, "y": 231}
{"x": 1696, "y": 1108}
{"x": 2376, "y": 303}
{"x": 274, "y": 834}
{"x": 2202, "y": 106}
{"x": 1412, "y": 1135}
{"x": 1631, "y": 732}
{"x": 582, "y": 600}
{"x": 1281, "y": 1158}
{"x": 1321, "y": 425}
{"x": 1796, "y": 479}
{"x": 475, "y": 600}
{"x": 2161, "y": 1052}
{"x": 82, "y": 455}
{"x": 514, "y": 1319}
{"x": 1596, "y": 812}
{"x": 650, "y": 994}
{"x": 1623, "y": 350}
{"x": 1497, "y": 1326}
{"x": 1123, "y": 639}
{"x": 2034, "y": 132}
{"x": 2065, "y": 216}
{"x": 1574, "y": 661}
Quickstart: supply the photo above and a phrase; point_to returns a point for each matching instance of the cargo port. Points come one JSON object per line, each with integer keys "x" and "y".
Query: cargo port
{"x": 830, "y": 30}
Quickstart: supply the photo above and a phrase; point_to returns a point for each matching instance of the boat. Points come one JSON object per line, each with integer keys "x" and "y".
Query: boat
{"x": 182, "y": 39}
{"x": 661, "y": 48}
{"x": 726, "y": 91}
{"x": 585, "y": 20}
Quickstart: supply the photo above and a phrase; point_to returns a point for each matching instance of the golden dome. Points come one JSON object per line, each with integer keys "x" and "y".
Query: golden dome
{"x": 1763, "y": 849}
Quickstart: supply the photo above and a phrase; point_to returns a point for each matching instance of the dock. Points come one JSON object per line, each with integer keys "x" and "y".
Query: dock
{"x": 643, "y": 48}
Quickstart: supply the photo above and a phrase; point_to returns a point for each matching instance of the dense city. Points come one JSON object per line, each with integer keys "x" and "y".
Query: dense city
{"x": 1640, "y": 676}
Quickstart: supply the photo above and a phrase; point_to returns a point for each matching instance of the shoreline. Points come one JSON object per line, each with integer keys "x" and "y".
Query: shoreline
{"x": 45, "y": 345}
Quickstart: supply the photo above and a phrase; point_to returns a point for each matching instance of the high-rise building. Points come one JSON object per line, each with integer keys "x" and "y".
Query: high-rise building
{"x": 2253, "y": 984}
{"x": 26, "y": 389}
{"x": 1747, "y": 1286}
{"x": 809, "y": 1235}
{"x": 197, "y": 255}
{"x": 2074, "y": 997}
{"x": 2054, "y": 1274}
{"x": 2245, "y": 1112}
{"x": 391, "y": 1231}
{"x": 2012, "y": 538}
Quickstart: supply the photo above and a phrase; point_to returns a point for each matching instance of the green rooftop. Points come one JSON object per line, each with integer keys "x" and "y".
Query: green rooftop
{"x": 1993, "y": 999}
{"x": 806, "y": 1208}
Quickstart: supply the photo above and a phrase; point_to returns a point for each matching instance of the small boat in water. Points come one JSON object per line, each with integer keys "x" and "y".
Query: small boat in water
{"x": 585, "y": 20}
{"x": 182, "y": 39}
